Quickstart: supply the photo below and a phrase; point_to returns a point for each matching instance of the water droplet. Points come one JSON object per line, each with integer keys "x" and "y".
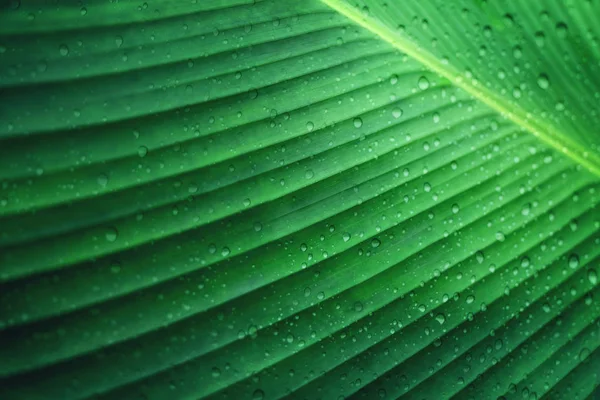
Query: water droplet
{"x": 358, "y": 307}
{"x": 63, "y": 50}
{"x": 479, "y": 256}
{"x": 592, "y": 276}
{"x": 423, "y": 83}
{"x": 546, "y": 307}
{"x": 516, "y": 93}
{"x": 357, "y": 122}
{"x": 470, "y": 299}
{"x": 436, "y": 118}
{"x": 247, "y": 202}
{"x": 258, "y": 227}
{"x": 346, "y": 236}
{"x": 310, "y": 126}
{"x": 258, "y": 395}
{"x": 525, "y": 262}
{"x": 225, "y": 251}
{"x": 441, "y": 318}
{"x": 119, "y": 41}
{"x": 500, "y": 236}
{"x": 142, "y": 151}
{"x": 102, "y": 180}
{"x": 543, "y": 81}
{"x": 111, "y": 234}
{"x": 584, "y": 353}
{"x": 561, "y": 30}
{"x": 216, "y": 372}
{"x": 540, "y": 38}
{"x": 427, "y": 187}
{"x": 394, "y": 79}
{"x": 375, "y": 242}
{"x": 455, "y": 208}
{"x": 573, "y": 261}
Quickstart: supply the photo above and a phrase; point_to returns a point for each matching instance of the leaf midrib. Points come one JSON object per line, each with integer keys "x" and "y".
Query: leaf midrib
{"x": 540, "y": 129}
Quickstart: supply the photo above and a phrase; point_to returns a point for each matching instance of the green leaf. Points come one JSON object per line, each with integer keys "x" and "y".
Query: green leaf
{"x": 298, "y": 199}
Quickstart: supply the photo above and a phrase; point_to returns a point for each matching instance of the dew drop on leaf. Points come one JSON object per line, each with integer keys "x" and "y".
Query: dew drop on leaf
{"x": 142, "y": 151}
{"x": 102, "y": 180}
{"x": 310, "y": 126}
{"x": 573, "y": 261}
{"x": 63, "y": 50}
{"x": 479, "y": 256}
{"x": 375, "y": 242}
{"x": 258, "y": 395}
{"x": 592, "y": 276}
{"x": 561, "y": 30}
{"x": 440, "y": 318}
{"x": 111, "y": 234}
{"x": 543, "y": 81}
{"x": 358, "y": 307}
{"x": 423, "y": 83}
{"x": 357, "y": 122}
{"x": 540, "y": 38}
{"x": 396, "y": 113}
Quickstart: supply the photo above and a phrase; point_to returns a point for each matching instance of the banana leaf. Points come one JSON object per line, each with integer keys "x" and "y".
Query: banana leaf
{"x": 299, "y": 199}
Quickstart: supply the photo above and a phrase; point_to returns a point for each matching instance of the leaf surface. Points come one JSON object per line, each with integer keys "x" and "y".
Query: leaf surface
{"x": 267, "y": 199}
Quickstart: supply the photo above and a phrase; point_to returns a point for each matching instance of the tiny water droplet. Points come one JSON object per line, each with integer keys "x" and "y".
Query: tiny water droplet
{"x": 102, "y": 180}
{"x": 258, "y": 395}
{"x": 561, "y": 30}
{"x": 543, "y": 81}
{"x": 63, "y": 50}
{"x": 440, "y": 318}
{"x": 573, "y": 261}
{"x": 111, "y": 234}
{"x": 592, "y": 276}
{"x": 423, "y": 83}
